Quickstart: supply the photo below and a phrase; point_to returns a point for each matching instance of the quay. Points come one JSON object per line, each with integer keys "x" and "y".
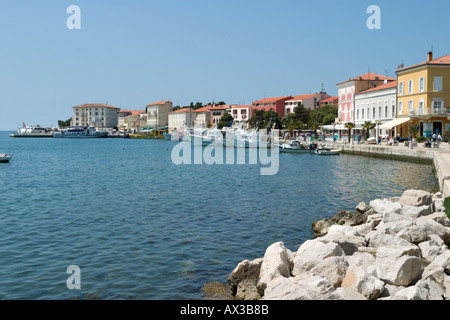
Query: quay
{"x": 438, "y": 156}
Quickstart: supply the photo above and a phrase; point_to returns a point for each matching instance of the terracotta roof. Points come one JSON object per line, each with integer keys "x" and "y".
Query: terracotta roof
{"x": 202, "y": 109}
{"x": 369, "y": 77}
{"x": 182, "y": 110}
{"x": 96, "y": 105}
{"x": 444, "y": 60}
{"x": 240, "y": 107}
{"x": 159, "y": 102}
{"x": 133, "y": 112}
{"x": 391, "y": 84}
{"x": 304, "y": 97}
{"x": 268, "y": 100}
{"x": 330, "y": 99}
{"x": 219, "y": 107}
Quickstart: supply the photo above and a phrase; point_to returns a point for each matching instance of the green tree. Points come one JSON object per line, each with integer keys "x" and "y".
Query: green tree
{"x": 64, "y": 124}
{"x": 414, "y": 129}
{"x": 367, "y": 126}
{"x": 349, "y": 126}
{"x": 225, "y": 121}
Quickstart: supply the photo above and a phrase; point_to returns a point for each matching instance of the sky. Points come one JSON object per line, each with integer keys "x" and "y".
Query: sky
{"x": 132, "y": 53}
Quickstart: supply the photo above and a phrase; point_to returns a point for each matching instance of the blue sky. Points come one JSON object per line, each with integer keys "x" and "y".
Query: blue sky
{"x": 131, "y": 53}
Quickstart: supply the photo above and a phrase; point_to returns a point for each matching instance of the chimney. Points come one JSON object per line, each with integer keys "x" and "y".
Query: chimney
{"x": 430, "y": 55}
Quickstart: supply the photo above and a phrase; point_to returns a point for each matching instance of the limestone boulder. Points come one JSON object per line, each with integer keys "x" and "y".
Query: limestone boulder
{"x": 381, "y": 206}
{"x": 276, "y": 263}
{"x": 313, "y": 252}
{"x": 415, "y": 198}
{"x": 310, "y": 288}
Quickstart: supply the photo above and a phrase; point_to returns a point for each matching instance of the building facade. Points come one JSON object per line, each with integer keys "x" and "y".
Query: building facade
{"x": 131, "y": 120}
{"x": 423, "y": 97}
{"x": 216, "y": 112}
{"x": 377, "y": 105}
{"x": 181, "y": 118}
{"x": 95, "y": 114}
{"x": 158, "y": 114}
{"x": 202, "y": 117}
{"x": 309, "y": 101}
{"x": 348, "y": 89}
{"x": 275, "y": 104}
{"x": 241, "y": 113}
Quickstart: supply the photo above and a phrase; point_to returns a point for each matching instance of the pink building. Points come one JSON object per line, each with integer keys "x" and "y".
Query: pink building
{"x": 348, "y": 89}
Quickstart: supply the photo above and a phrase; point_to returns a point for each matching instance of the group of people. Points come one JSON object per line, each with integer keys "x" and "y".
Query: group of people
{"x": 435, "y": 137}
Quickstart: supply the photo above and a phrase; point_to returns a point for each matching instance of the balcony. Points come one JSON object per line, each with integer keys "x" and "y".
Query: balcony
{"x": 430, "y": 112}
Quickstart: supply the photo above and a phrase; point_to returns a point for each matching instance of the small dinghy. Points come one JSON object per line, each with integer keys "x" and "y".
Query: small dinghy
{"x": 5, "y": 157}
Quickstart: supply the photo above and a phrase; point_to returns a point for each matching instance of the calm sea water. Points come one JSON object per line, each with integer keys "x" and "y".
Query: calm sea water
{"x": 140, "y": 227}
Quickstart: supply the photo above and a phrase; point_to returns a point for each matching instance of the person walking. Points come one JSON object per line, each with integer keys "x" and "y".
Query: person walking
{"x": 439, "y": 138}
{"x": 434, "y": 137}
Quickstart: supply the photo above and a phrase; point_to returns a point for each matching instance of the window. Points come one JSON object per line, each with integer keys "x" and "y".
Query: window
{"x": 400, "y": 107}
{"x": 410, "y": 106}
{"x": 357, "y": 114}
{"x": 438, "y": 84}
{"x": 400, "y": 88}
{"x": 410, "y": 86}
{"x": 379, "y": 109}
{"x": 422, "y": 84}
{"x": 368, "y": 112}
{"x": 421, "y": 105}
{"x": 362, "y": 114}
{"x": 393, "y": 109}
{"x": 437, "y": 104}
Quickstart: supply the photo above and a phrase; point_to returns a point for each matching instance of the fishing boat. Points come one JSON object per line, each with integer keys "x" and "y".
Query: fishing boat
{"x": 79, "y": 133}
{"x": 34, "y": 131}
{"x": 294, "y": 146}
{"x": 4, "y": 157}
{"x": 328, "y": 152}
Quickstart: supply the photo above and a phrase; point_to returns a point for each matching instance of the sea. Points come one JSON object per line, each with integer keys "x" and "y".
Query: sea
{"x": 138, "y": 226}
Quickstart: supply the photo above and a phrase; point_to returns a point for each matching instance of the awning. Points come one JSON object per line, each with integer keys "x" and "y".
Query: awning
{"x": 396, "y": 122}
{"x": 334, "y": 127}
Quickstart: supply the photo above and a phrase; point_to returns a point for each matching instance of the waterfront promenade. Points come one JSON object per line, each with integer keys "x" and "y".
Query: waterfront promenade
{"x": 438, "y": 156}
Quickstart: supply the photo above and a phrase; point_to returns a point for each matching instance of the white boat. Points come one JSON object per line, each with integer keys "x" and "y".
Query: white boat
{"x": 34, "y": 131}
{"x": 328, "y": 152}
{"x": 294, "y": 146}
{"x": 4, "y": 157}
{"x": 80, "y": 133}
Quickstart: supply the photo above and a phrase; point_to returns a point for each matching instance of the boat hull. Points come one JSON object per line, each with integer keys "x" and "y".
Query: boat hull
{"x": 328, "y": 152}
{"x": 79, "y": 135}
{"x": 5, "y": 158}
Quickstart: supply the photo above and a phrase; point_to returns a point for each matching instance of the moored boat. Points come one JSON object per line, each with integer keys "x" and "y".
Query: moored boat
{"x": 80, "y": 133}
{"x": 294, "y": 146}
{"x": 4, "y": 157}
{"x": 34, "y": 131}
{"x": 148, "y": 134}
{"x": 328, "y": 152}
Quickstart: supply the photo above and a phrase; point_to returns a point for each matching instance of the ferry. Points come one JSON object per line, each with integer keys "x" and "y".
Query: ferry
{"x": 80, "y": 133}
{"x": 34, "y": 131}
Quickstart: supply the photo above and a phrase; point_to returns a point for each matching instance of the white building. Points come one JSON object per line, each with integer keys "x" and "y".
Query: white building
{"x": 377, "y": 105}
{"x": 309, "y": 101}
{"x": 241, "y": 113}
{"x": 158, "y": 113}
{"x": 95, "y": 114}
{"x": 182, "y": 118}
{"x": 202, "y": 117}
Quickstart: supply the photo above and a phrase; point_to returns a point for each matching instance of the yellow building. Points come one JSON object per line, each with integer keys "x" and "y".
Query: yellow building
{"x": 422, "y": 93}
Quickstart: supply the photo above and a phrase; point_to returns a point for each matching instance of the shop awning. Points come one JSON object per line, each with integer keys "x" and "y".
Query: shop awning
{"x": 396, "y": 122}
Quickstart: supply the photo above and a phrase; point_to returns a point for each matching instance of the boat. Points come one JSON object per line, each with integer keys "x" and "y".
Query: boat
{"x": 294, "y": 146}
{"x": 328, "y": 152}
{"x": 34, "y": 131}
{"x": 148, "y": 134}
{"x": 79, "y": 133}
{"x": 4, "y": 157}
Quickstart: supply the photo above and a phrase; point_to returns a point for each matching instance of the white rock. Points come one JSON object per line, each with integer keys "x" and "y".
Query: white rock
{"x": 349, "y": 294}
{"x": 275, "y": 263}
{"x": 398, "y": 265}
{"x": 415, "y": 212}
{"x": 415, "y": 198}
{"x": 433, "y": 227}
{"x": 313, "y": 252}
{"x": 311, "y": 288}
{"x": 382, "y": 206}
{"x": 430, "y": 250}
{"x": 333, "y": 269}
{"x": 346, "y": 237}
{"x": 438, "y": 268}
{"x": 363, "y": 282}
{"x": 447, "y": 287}
{"x": 413, "y": 293}
{"x": 380, "y": 239}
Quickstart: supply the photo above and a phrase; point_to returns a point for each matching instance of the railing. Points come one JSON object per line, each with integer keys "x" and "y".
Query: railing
{"x": 429, "y": 112}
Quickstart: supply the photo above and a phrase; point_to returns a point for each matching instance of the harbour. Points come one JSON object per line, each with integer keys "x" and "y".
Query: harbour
{"x": 141, "y": 227}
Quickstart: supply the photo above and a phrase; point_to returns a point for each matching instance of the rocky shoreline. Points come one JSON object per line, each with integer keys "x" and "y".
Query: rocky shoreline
{"x": 390, "y": 249}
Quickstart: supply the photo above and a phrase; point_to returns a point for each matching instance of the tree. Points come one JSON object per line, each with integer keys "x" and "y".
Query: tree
{"x": 64, "y": 124}
{"x": 349, "y": 126}
{"x": 367, "y": 126}
{"x": 414, "y": 129}
{"x": 225, "y": 121}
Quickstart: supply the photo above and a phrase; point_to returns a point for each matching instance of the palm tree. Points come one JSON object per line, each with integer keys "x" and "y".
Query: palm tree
{"x": 367, "y": 126}
{"x": 414, "y": 130}
{"x": 349, "y": 126}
